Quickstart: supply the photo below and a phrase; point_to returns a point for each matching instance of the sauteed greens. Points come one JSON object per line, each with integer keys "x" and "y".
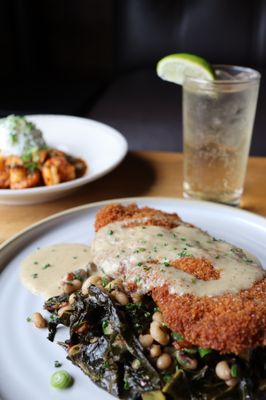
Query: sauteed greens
{"x": 104, "y": 343}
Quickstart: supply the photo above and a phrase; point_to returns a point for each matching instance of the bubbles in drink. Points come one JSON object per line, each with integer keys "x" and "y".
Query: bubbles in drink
{"x": 217, "y": 125}
{"x": 214, "y": 172}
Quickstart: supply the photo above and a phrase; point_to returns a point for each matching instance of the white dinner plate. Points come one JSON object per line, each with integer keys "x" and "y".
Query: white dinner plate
{"x": 26, "y": 356}
{"x": 101, "y": 146}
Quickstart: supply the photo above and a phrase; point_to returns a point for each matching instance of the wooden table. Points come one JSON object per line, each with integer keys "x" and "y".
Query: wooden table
{"x": 140, "y": 174}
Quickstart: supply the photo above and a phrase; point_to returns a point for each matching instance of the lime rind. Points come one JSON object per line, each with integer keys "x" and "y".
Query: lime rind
{"x": 175, "y": 67}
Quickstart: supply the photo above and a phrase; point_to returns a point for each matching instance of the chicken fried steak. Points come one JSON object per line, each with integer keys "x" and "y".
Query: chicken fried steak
{"x": 211, "y": 292}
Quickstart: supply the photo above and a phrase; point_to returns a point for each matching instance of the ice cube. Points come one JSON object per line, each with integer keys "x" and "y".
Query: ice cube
{"x": 241, "y": 76}
{"x": 224, "y": 75}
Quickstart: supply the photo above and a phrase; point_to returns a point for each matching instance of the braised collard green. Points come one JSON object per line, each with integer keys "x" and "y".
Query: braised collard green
{"x": 106, "y": 352}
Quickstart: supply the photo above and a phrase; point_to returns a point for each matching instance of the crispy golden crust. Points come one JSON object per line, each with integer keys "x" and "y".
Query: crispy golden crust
{"x": 200, "y": 268}
{"x": 228, "y": 323}
{"x": 117, "y": 212}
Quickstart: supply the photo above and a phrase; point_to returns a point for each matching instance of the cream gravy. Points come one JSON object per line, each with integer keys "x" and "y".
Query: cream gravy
{"x": 126, "y": 252}
{"x": 42, "y": 271}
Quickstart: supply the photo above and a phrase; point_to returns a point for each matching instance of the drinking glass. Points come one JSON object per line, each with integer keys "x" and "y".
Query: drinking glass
{"x": 218, "y": 118}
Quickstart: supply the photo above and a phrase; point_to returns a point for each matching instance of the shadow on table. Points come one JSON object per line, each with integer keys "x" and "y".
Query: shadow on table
{"x": 133, "y": 177}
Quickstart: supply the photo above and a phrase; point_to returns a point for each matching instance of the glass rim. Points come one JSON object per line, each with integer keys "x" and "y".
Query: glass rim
{"x": 254, "y": 75}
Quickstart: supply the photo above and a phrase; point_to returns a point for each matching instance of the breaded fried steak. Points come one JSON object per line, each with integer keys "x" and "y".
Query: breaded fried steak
{"x": 211, "y": 292}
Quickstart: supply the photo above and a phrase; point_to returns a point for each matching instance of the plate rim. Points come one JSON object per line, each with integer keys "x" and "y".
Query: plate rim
{"x": 7, "y": 245}
{"x": 72, "y": 210}
{"x": 75, "y": 182}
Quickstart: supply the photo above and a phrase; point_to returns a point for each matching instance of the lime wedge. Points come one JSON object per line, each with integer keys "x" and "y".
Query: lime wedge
{"x": 175, "y": 67}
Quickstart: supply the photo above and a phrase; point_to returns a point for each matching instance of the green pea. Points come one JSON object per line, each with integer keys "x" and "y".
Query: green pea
{"x": 61, "y": 380}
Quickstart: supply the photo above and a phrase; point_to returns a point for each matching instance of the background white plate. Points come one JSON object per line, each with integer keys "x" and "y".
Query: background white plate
{"x": 101, "y": 146}
{"x": 26, "y": 356}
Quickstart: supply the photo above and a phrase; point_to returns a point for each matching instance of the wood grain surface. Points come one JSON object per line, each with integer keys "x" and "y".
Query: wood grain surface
{"x": 140, "y": 174}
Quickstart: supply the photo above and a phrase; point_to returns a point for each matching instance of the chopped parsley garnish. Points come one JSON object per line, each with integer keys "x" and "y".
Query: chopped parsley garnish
{"x": 183, "y": 239}
{"x": 177, "y": 336}
{"x": 217, "y": 257}
{"x": 140, "y": 250}
{"x": 31, "y": 166}
{"x": 26, "y": 156}
{"x": 57, "y": 364}
{"x": 126, "y": 384}
{"x": 46, "y": 266}
{"x": 139, "y": 264}
{"x": 79, "y": 167}
{"x": 105, "y": 327}
{"x": 203, "y": 352}
{"x": 29, "y": 319}
{"x": 35, "y": 276}
{"x": 166, "y": 264}
{"x": 241, "y": 254}
{"x": 75, "y": 257}
{"x": 134, "y": 306}
{"x": 106, "y": 364}
{"x": 137, "y": 279}
{"x": 13, "y": 138}
{"x": 248, "y": 261}
{"x": 110, "y": 232}
{"x": 146, "y": 268}
{"x": 78, "y": 277}
{"x": 190, "y": 350}
{"x": 184, "y": 253}
{"x": 35, "y": 262}
{"x": 104, "y": 281}
{"x": 167, "y": 377}
{"x": 160, "y": 234}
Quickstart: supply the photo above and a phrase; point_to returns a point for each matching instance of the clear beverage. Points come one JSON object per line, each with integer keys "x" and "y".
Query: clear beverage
{"x": 218, "y": 120}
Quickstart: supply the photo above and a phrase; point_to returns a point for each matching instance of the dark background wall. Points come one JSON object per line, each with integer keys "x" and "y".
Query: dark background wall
{"x": 60, "y": 39}
{"x": 56, "y": 56}
{"x": 97, "y": 58}
{"x": 77, "y": 40}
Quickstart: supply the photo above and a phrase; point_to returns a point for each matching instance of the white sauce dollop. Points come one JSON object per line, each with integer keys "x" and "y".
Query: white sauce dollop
{"x": 42, "y": 271}
{"x": 17, "y": 136}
